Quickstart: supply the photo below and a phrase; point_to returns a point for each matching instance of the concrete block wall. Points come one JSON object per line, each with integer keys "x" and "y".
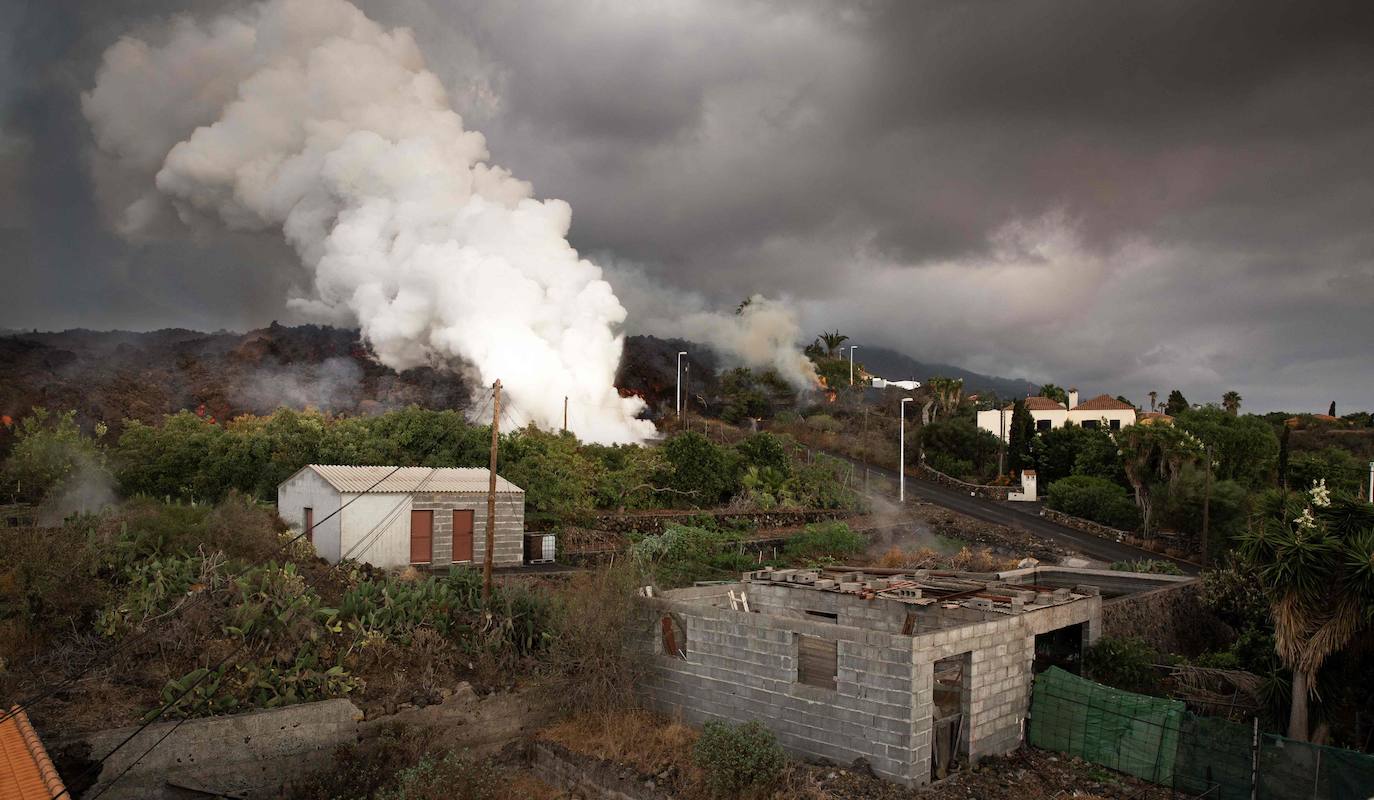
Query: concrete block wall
{"x": 877, "y": 614}
{"x": 742, "y": 666}
{"x": 999, "y": 679}
{"x": 509, "y": 533}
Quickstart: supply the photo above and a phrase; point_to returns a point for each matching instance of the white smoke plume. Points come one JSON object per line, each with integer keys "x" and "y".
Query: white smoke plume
{"x": 308, "y": 117}
{"x": 764, "y": 333}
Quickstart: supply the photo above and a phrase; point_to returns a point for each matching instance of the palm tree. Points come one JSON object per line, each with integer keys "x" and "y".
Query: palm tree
{"x": 833, "y": 341}
{"x": 1055, "y": 393}
{"x": 1154, "y": 399}
{"x": 1315, "y": 560}
{"x": 1150, "y": 453}
{"x": 949, "y": 392}
{"x": 1231, "y": 402}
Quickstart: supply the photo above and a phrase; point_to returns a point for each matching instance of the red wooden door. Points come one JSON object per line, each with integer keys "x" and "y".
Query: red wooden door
{"x": 421, "y": 537}
{"x": 462, "y": 535}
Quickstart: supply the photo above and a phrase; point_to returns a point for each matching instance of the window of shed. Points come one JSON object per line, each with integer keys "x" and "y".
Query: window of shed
{"x": 1116, "y": 424}
{"x": 674, "y": 639}
{"x": 817, "y": 661}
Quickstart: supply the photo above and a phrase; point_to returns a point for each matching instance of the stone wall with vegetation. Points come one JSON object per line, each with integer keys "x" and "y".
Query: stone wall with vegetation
{"x": 259, "y": 753}
{"x": 1085, "y": 525}
{"x": 990, "y": 492}
{"x": 654, "y": 522}
{"x": 1171, "y": 620}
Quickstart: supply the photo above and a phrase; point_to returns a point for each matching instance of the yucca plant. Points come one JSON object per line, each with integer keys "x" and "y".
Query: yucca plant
{"x": 1315, "y": 560}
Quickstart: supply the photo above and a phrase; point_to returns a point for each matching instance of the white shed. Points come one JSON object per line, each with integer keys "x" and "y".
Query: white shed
{"x": 431, "y": 516}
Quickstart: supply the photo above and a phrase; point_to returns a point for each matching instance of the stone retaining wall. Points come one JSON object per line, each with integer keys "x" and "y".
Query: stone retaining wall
{"x": 258, "y": 753}
{"x": 1085, "y": 525}
{"x": 584, "y": 776}
{"x": 929, "y": 473}
{"x": 655, "y": 522}
{"x": 1171, "y": 620}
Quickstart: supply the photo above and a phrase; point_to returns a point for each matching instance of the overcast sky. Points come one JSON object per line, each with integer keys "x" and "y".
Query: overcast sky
{"x": 1122, "y": 196}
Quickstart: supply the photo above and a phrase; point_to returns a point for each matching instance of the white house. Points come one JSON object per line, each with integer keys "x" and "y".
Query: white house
{"x": 1103, "y": 411}
{"x": 430, "y": 516}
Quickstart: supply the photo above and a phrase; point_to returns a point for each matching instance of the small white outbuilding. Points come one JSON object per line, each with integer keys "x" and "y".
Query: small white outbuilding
{"x": 424, "y": 516}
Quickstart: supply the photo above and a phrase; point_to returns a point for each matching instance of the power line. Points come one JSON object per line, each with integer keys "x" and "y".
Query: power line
{"x": 225, "y": 660}
{"x": 126, "y": 644}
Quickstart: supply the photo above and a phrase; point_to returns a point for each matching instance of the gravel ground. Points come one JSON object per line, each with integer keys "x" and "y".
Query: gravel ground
{"x": 1028, "y": 773}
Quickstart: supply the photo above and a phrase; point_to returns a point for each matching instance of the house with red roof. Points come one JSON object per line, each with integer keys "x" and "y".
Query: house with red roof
{"x": 1102, "y": 411}
{"x": 26, "y": 772}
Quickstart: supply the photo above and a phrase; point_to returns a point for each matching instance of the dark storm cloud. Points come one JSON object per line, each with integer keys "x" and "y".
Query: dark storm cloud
{"x": 64, "y": 264}
{"x": 1127, "y": 196}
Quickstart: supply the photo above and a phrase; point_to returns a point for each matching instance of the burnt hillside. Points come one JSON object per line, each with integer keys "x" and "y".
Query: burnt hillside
{"x": 111, "y": 376}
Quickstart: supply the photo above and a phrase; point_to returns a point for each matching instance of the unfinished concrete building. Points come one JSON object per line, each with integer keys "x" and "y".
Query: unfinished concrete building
{"x": 915, "y": 673}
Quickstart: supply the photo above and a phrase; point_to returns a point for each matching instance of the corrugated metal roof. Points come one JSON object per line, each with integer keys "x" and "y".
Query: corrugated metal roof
{"x": 410, "y": 479}
{"x": 26, "y": 773}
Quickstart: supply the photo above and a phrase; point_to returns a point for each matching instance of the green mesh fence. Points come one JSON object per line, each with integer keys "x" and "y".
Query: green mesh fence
{"x": 1216, "y": 756}
{"x": 1156, "y": 739}
{"x": 1130, "y": 733}
{"x": 1290, "y": 770}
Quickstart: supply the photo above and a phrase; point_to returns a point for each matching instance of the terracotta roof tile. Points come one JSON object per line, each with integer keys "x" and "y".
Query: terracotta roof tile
{"x": 26, "y": 773}
{"x": 1041, "y": 404}
{"x": 1103, "y": 402}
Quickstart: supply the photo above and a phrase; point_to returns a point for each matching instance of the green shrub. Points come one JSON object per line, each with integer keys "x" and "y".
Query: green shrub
{"x": 452, "y": 777}
{"x": 697, "y": 470}
{"x": 952, "y": 466}
{"x": 824, "y": 423}
{"x": 1095, "y": 499}
{"x": 825, "y": 540}
{"x": 1123, "y": 662}
{"x": 684, "y": 554}
{"x": 1152, "y": 566}
{"x": 765, "y": 451}
{"x": 739, "y": 760}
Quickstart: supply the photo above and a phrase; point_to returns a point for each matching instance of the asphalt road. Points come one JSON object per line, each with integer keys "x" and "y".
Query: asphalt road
{"x": 1021, "y": 517}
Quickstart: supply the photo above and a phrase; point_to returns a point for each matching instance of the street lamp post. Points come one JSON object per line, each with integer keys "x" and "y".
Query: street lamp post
{"x": 677, "y": 393}
{"x": 851, "y": 363}
{"x": 901, "y": 457}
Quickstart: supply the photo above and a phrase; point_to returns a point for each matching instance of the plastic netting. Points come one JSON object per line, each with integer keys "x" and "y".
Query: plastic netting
{"x": 1131, "y": 733}
{"x": 1158, "y": 740}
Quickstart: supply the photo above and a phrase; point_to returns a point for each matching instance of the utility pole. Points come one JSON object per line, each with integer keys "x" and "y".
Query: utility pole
{"x": 677, "y": 395}
{"x": 1206, "y": 505}
{"x": 685, "y": 414}
{"x": 1002, "y": 440}
{"x": 864, "y": 448}
{"x": 851, "y": 363}
{"x": 491, "y": 493}
{"x": 901, "y": 456}
{"x": 1371, "y": 481}
{"x": 565, "y": 413}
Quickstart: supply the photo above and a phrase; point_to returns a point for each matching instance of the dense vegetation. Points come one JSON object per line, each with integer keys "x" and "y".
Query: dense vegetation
{"x": 190, "y": 458}
{"x": 217, "y": 601}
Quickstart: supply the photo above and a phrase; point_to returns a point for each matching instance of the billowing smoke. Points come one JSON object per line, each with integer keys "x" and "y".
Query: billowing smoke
{"x": 762, "y": 333}
{"x": 306, "y": 116}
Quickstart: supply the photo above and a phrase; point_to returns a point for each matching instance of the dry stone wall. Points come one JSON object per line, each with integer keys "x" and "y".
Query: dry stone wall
{"x": 258, "y": 753}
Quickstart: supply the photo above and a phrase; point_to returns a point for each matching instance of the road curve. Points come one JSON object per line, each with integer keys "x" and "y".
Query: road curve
{"x": 1006, "y": 513}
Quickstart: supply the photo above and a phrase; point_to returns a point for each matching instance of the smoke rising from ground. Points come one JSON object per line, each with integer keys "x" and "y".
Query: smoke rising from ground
{"x": 764, "y": 333}
{"x": 306, "y": 116}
